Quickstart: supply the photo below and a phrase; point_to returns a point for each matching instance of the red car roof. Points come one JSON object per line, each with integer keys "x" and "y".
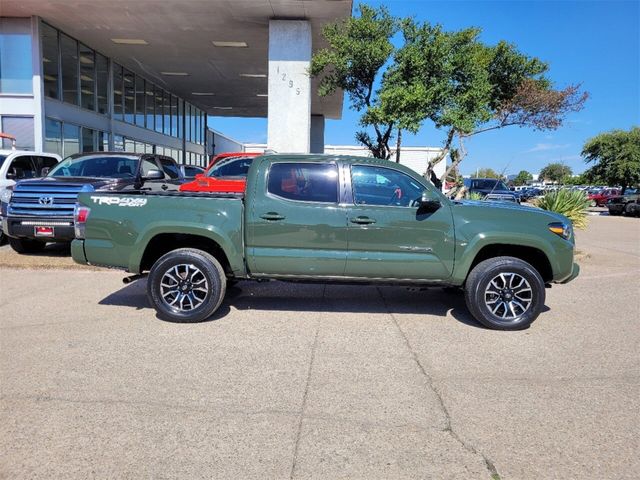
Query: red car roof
{"x": 222, "y": 156}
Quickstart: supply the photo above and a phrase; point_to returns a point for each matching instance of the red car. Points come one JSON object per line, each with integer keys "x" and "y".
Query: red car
{"x": 226, "y": 173}
{"x": 600, "y": 199}
{"x": 221, "y": 156}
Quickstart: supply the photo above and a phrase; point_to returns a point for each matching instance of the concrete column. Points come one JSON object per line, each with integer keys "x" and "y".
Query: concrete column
{"x": 289, "y": 112}
{"x": 38, "y": 86}
{"x": 317, "y": 134}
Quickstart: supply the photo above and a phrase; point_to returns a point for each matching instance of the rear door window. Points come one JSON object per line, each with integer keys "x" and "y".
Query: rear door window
{"x": 43, "y": 162}
{"x": 22, "y": 167}
{"x": 305, "y": 182}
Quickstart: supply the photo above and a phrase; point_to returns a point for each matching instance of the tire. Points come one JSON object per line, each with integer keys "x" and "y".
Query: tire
{"x": 3, "y": 237}
{"x": 512, "y": 307}
{"x": 202, "y": 278}
{"x": 628, "y": 210}
{"x": 24, "y": 245}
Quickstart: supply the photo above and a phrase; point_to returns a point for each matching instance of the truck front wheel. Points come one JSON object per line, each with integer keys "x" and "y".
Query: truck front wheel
{"x": 24, "y": 245}
{"x": 186, "y": 285}
{"x": 505, "y": 293}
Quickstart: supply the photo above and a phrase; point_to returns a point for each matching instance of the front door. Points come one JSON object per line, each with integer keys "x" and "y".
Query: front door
{"x": 389, "y": 237}
{"x": 296, "y": 227}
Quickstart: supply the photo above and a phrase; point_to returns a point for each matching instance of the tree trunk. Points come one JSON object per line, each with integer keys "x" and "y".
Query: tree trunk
{"x": 398, "y": 145}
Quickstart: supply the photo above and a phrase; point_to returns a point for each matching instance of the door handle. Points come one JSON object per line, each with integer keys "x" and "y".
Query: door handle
{"x": 362, "y": 220}
{"x": 274, "y": 216}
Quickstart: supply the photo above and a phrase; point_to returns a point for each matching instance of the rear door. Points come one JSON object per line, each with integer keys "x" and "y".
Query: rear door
{"x": 295, "y": 225}
{"x": 389, "y": 237}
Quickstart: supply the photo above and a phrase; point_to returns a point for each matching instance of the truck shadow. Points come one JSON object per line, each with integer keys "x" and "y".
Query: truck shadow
{"x": 337, "y": 298}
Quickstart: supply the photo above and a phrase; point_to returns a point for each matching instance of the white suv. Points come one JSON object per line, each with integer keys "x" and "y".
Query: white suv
{"x": 19, "y": 165}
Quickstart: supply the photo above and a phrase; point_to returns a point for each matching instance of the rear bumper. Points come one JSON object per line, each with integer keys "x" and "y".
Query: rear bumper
{"x": 77, "y": 252}
{"x": 24, "y": 227}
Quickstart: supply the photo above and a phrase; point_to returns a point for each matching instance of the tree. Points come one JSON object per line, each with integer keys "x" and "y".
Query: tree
{"x": 487, "y": 173}
{"x": 616, "y": 157}
{"x": 466, "y": 87}
{"x": 358, "y": 48}
{"x": 555, "y": 172}
{"x": 522, "y": 178}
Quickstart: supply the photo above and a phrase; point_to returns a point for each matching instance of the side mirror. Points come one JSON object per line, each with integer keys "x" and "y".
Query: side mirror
{"x": 428, "y": 203}
{"x": 153, "y": 175}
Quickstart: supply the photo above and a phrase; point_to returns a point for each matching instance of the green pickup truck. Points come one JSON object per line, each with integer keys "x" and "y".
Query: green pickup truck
{"x": 328, "y": 219}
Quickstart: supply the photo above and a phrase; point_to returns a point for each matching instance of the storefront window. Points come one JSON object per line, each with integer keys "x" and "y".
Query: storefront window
{"x": 151, "y": 125}
{"x": 187, "y": 121}
{"x": 129, "y": 95}
{"x": 166, "y": 111}
{"x": 87, "y": 77}
{"x": 102, "y": 141}
{"x": 140, "y": 95}
{"x": 88, "y": 139}
{"x": 174, "y": 116}
{"x": 118, "y": 108}
{"x": 52, "y": 136}
{"x": 50, "y": 61}
{"x": 69, "y": 56}
{"x": 159, "y": 107}
{"x": 102, "y": 86}
{"x": 71, "y": 139}
{"x": 180, "y": 118}
{"x": 118, "y": 143}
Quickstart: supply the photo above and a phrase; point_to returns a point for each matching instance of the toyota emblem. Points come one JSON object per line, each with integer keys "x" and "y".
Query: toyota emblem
{"x": 45, "y": 200}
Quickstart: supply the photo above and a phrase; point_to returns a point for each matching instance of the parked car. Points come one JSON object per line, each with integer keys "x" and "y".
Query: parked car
{"x": 324, "y": 218}
{"x": 599, "y": 198}
{"x": 191, "y": 171}
{"x": 491, "y": 186}
{"x": 227, "y": 175}
{"x": 628, "y": 204}
{"x": 35, "y": 212}
{"x": 223, "y": 156}
{"x": 18, "y": 165}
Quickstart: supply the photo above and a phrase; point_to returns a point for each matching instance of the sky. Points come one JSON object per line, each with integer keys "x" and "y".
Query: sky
{"x": 595, "y": 43}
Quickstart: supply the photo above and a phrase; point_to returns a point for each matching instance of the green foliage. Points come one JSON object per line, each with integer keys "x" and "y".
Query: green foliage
{"x": 616, "y": 157}
{"x": 474, "y": 196}
{"x": 358, "y": 49}
{"x": 487, "y": 173}
{"x": 555, "y": 172}
{"x": 572, "y": 204}
{"x": 450, "y": 78}
{"x": 522, "y": 178}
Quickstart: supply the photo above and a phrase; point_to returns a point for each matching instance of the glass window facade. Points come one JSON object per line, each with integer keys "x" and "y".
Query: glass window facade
{"x": 102, "y": 83}
{"x": 50, "y": 61}
{"x": 87, "y": 78}
{"x": 77, "y": 74}
{"x": 16, "y": 72}
{"x": 53, "y": 136}
{"x": 69, "y": 57}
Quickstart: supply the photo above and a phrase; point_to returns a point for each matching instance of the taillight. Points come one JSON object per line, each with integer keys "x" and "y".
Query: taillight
{"x": 80, "y": 216}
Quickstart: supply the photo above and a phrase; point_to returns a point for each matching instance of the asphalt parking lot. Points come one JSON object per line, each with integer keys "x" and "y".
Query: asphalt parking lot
{"x": 321, "y": 381}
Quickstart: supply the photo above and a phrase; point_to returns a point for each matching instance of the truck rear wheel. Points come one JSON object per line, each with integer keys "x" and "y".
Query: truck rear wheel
{"x": 24, "y": 245}
{"x": 186, "y": 285}
{"x": 505, "y": 293}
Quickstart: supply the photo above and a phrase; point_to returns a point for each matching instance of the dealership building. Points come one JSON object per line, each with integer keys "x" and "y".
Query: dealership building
{"x": 143, "y": 75}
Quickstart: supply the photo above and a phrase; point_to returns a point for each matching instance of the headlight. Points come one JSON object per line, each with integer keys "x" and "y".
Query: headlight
{"x": 561, "y": 229}
{"x": 5, "y": 196}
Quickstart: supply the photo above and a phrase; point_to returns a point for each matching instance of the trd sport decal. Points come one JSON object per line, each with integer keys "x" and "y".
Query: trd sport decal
{"x": 121, "y": 202}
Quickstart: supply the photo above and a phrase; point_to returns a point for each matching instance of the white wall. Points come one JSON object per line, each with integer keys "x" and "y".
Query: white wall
{"x": 221, "y": 143}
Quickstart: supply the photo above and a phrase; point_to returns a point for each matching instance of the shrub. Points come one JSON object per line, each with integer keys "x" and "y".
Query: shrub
{"x": 572, "y": 204}
{"x": 474, "y": 196}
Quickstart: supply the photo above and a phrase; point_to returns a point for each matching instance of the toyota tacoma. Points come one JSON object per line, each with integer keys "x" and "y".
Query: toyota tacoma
{"x": 327, "y": 219}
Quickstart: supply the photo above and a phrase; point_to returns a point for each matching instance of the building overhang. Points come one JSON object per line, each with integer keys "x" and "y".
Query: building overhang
{"x": 163, "y": 40}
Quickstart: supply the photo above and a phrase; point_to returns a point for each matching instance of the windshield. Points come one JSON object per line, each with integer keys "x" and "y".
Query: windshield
{"x": 231, "y": 167}
{"x": 489, "y": 184}
{"x": 2, "y": 158}
{"x": 96, "y": 166}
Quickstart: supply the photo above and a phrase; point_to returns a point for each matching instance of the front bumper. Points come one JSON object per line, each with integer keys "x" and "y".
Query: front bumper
{"x": 24, "y": 227}
{"x": 574, "y": 273}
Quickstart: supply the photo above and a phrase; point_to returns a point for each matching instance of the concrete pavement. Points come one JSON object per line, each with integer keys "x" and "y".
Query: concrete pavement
{"x": 322, "y": 381}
